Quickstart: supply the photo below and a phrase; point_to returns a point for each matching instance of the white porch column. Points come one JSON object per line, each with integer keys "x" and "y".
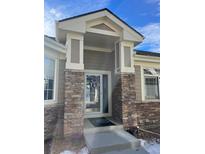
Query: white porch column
{"x": 74, "y": 51}
{"x": 125, "y": 55}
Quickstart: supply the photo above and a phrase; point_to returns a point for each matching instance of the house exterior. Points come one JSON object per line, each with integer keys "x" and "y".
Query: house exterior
{"x": 92, "y": 70}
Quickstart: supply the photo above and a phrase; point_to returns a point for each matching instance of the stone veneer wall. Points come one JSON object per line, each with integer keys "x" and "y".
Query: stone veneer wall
{"x": 52, "y": 114}
{"x": 123, "y": 99}
{"x": 74, "y": 107}
{"x": 116, "y": 100}
{"x": 148, "y": 114}
{"x": 127, "y": 104}
{"x": 128, "y": 98}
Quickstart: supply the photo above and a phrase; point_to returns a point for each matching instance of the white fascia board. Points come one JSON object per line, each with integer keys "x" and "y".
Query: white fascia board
{"x": 146, "y": 58}
{"x": 125, "y": 27}
{"x": 54, "y": 45}
{"x": 79, "y": 24}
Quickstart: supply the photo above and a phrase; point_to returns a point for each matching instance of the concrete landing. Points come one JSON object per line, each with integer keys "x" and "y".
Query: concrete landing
{"x": 112, "y": 142}
{"x": 129, "y": 151}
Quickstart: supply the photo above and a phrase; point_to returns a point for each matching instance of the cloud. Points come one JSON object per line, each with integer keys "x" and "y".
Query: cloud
{"x": 67, "y": 9}
{"x": 151, "y": 33}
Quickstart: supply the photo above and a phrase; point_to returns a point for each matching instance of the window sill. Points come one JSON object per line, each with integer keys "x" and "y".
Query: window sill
{"x": 151, "y": 101}
{"x": 49, "y": 102}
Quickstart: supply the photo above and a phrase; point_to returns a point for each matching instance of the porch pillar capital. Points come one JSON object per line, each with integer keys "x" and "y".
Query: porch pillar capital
{"x": 125, "y": 57}
{"x": 74, "y": 51}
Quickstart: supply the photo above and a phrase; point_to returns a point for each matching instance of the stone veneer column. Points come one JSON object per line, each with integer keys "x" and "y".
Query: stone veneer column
{"x": 124, "y": 100}
{"x": 128, "y": 98}
{"x": 74, "y": 97}
{"x": 117, "y": 100}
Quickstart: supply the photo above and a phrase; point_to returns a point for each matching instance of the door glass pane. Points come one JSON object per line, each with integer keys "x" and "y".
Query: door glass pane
{"x": 92, "y": 93}
{"x": 105, "y": 93}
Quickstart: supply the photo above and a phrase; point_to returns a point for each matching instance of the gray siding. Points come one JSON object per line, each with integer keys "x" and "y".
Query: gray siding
{"x": 61, "y": 77}
{"x": 97, "y": 60}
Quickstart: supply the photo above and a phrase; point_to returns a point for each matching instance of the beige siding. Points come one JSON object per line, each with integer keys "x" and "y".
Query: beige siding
{"x": 61, "y": 81}
{"x": 96, "y": 60}
{"x": 148, "y": 64}
{"x": 127, "y": 62}
{"x": 75, "y": 51}
{"x": 103, "y": 27}
{"x": 138, "y": 83}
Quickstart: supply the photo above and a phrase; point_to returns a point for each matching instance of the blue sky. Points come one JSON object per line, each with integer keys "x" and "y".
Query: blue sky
{"x": 143, "y": 15}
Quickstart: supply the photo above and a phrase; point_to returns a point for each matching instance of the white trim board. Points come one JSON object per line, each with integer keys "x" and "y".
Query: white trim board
{"x": 97, "y": 49}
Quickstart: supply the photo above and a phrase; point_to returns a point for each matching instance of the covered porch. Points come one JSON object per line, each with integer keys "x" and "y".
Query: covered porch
{"x": 99, "y": 56}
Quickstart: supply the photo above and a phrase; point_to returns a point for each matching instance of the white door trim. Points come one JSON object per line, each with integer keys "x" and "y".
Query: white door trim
{"x": 100, "y": 114}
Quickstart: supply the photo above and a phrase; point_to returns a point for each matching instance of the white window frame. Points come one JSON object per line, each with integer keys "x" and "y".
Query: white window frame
{"x": 55, "y": 88}
{"x": 143, "y": 84}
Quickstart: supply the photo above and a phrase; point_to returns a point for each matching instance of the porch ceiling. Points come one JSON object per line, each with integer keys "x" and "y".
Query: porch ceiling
{"x": 98, "y": 40}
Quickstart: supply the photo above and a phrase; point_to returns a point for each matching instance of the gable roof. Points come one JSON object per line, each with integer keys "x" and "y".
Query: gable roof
{"x": 104, "y": 9}
{"x": 147, "y": 53}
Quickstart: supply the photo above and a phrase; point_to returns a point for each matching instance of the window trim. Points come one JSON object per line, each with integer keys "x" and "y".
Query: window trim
{"x": 55, "y": 88}
{"x": 143, "y": 84}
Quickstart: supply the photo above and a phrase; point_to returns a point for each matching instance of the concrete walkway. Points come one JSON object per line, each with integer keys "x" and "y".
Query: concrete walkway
{"x": 113, "y": 142}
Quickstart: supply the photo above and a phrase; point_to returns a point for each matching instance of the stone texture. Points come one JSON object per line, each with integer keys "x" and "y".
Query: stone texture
{"x": 74, "y": 102}
{"x": 148, "y": 114}
{"x": 128, "y": 100}
{"x": 123, "y": 99}
{"x": 52, "y": 113}
{"x": 117, "y": 101}
{"x": 127, "y": 104}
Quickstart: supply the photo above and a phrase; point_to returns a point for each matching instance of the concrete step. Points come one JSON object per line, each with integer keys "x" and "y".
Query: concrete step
{"x": 110, "y": 141}
{"x": 103, "y": 129}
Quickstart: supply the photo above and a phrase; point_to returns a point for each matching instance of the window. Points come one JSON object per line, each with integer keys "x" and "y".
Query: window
{"x": 49, "y": 73}
{"x": 151, "y": 83}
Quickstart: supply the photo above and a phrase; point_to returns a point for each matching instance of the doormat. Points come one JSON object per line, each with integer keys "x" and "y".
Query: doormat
{"x": 100, "y": 122}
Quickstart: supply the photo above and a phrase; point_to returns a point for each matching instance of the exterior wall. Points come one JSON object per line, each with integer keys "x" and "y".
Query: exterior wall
{"x": 52, "y": 114}
{"x": 117, "y": 99}
{"x": 96, "y": 60}
{"x": 61, "y": 79}
{"x": 128, "y": 100}
{"x": 74, "y": 103}
{"x": 147, "y": 113}
{"x": 138, "y": 83}
{"x": 128, "y": 106}
{"x": 124, "y": 99}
